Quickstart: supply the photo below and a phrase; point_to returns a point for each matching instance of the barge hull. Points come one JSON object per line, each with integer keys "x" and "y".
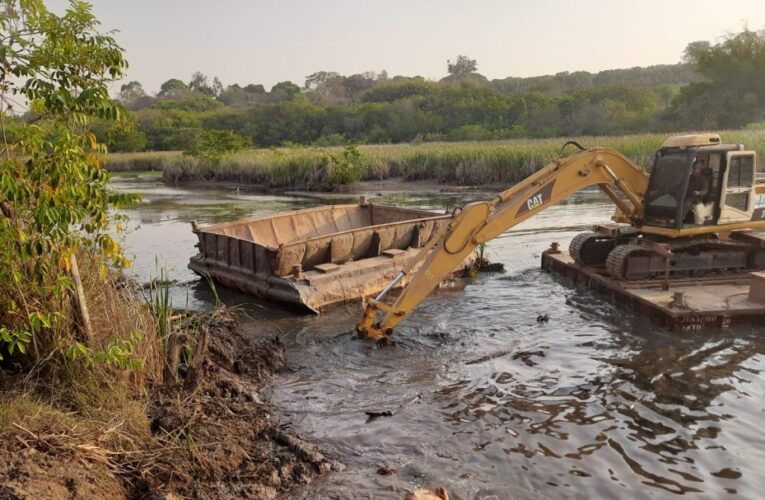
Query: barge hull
{"x": 317, "y": 290}
{"x": 689, "y": 304}
{"x": 321, "y": 256}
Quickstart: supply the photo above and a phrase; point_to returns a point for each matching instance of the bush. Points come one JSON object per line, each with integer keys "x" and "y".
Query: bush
{"x": 346, "y": 167}
{"x": 213, "y": 145}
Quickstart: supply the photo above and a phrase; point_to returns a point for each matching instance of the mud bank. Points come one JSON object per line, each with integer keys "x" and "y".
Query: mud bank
{"x": 214, "y": 436}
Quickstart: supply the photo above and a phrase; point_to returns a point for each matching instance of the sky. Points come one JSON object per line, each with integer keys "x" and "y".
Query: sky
{"x": 257, "y": 41}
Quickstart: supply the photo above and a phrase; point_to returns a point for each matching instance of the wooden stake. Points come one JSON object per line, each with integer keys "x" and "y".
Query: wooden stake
{"x": 195, "y": 370}
{"x": 81, "y": 304}
{"x": 175, "y": 342}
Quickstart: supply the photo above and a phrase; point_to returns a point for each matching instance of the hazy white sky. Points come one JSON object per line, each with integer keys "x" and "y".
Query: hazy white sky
{"x": 258, "y": 41}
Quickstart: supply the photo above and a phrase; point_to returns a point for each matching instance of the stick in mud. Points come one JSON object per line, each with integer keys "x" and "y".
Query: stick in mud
{"x": 389, "y": 413}
{"x": 175, "y": 342}
{"x": 304, "y": 450}
{"x": 195, "y": 370}
{"x": 81, "y": 304}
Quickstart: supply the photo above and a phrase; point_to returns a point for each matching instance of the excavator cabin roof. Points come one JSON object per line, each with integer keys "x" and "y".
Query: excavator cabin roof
{"x": 692, "y": 141}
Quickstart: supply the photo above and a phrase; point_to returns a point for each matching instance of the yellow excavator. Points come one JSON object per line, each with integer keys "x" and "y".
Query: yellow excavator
{"x": 698, "y": 207}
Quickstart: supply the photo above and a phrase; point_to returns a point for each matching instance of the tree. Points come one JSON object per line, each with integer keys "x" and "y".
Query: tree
{"x": 217, "y": 87}
{"x": 213, "y": 145}
{"x": 327, "y": 88}
{"x": 53, "y": 191}
{"x": 285, "y": 91}
{"x": 733, "y": 91}
{"x": 239, "y": 97}
{"x": 131, "y": 91}
{"x": 173, "y": 89}
{"x": 133, "y": 96}
{"x": 316, "y": 80}
{"x": 256, "y": 89}
{"x": 462, "y": 66}
{"x": 200, "y": 83}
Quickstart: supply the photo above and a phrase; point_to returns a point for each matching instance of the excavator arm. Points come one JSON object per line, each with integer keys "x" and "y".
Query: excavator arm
{"x": 482, "y": 221}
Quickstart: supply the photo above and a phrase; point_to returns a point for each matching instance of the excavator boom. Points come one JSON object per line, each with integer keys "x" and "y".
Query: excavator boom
{"x": 482, "y": 221}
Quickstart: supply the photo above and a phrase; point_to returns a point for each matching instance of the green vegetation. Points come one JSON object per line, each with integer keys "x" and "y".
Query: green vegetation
{"x": 53, "y": 190}
{"x": 513, "y": 125}
{"x": 138, "y": 162}
{"x": 732, "y": 91}
{"x": 416, "y": 129}
{"x": 76, "y": 371}
{"x": 212, "y": 145}
{"x": 466, "y": 163}
{"x": 334, "y": 109}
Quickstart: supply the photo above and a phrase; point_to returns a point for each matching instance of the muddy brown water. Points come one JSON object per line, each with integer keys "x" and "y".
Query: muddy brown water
{"x": 490, "y": 404}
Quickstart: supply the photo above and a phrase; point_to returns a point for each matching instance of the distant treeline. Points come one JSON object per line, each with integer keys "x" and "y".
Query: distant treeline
{"x": 717, "y": 86}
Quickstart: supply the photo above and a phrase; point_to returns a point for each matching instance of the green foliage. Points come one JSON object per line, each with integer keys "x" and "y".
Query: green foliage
{"x": 401, "y": 89}
{"x": 346, "y": 166}
{"x": 716, "y": 86}
{"x": 334, "y": 109}
{"x": 122, "y": 136}
{"x": 732, "y": 93}
{"x": 173, "y": 88}
{"x": 213, "y": 145}
{"x": 401, "y": 110}
{"x": 462, "y": 66}
{"x": 288, "y": 89}
{"x": 120, "y": 353}
{"x": 15, "y": 340}
{"x": 53, "y": 191}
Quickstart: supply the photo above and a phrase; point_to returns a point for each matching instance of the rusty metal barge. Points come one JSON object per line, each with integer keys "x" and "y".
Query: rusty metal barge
{"x": 320, "y": 256}
{"x": 679, "y": 303}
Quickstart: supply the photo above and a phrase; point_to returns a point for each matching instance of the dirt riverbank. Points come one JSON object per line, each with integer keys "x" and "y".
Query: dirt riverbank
{"x": 214, "y": 438}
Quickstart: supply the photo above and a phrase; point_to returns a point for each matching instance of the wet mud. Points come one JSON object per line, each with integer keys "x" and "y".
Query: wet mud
{"x": 229, "y": 443}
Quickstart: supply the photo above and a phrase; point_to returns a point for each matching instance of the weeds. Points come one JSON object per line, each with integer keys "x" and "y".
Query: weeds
{"x": 158, "y": 300}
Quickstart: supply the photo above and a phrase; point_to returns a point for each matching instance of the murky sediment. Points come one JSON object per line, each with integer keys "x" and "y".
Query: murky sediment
{"x": 488, "y": 403}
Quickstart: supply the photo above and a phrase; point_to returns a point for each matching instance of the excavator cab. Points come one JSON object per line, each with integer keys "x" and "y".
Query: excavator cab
{"x": 726, "y": 172}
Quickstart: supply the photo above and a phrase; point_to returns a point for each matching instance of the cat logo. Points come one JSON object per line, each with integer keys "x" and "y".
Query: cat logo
{"x": 536, "y": 200}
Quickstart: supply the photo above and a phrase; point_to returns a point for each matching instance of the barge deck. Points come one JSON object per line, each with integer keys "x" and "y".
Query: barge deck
{"x": 691, "y": 303}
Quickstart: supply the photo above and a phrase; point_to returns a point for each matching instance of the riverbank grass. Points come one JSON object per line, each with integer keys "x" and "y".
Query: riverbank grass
{"x": 460, "y": 163}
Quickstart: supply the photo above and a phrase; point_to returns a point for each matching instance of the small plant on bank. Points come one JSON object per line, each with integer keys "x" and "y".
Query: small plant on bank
{"x": 159, "y": 303}
{"x": 346, "y": 166}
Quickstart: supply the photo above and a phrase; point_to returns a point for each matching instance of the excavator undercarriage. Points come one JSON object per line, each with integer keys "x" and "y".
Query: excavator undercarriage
{"x": 628, "y": 254}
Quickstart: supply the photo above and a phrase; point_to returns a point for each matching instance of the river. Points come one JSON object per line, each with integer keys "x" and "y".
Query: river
{"x": 490, "y": 404}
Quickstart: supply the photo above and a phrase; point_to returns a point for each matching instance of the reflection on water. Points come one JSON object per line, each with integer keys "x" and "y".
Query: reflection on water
{"x": 596, "y": 403}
